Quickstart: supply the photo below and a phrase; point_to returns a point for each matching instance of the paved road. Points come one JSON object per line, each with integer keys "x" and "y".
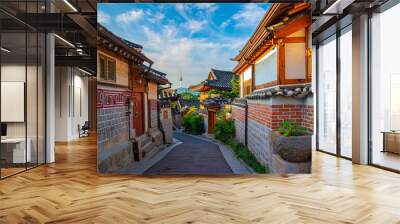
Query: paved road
{"x": 193, "y": 156}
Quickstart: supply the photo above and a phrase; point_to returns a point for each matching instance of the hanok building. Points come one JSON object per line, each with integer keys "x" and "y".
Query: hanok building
{"x": 169, "y": 112}
{"x": 127, "y": 103}
{"x": 275, "y": 81}
{"x": 216, "y": 80}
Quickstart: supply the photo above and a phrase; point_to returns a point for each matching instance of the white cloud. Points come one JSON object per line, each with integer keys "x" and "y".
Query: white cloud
{"x": 169, "y": 43}
{"x": 180, "y": 8}
{"x": 194, "y": 26}
{"x": 130, "y": 16}
{"x": 249, "y": 16}
{"x": 156, "y": 18}
{"x": 193, "y": 57}
{"x": 209, "y": 7}
{"x": 102, "y": 17}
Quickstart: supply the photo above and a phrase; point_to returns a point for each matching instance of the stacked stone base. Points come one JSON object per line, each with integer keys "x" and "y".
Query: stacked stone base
{"x": 114, "y": 149}
{"x": 123, "y": 157}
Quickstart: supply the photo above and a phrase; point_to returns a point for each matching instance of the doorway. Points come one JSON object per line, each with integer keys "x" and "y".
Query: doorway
{"x": 138, "y": 113}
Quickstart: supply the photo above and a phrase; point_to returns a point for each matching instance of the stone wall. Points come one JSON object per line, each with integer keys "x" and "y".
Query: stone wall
{"x": 114, "y": 150}
{"x": 113, "y": 145}
{"x": 177, "y": 119}
{"x": 239, "y": 114}
{"x": 166, "y": 122}
{"x": 259, "y": 141}
{"x": 153, "y": 113}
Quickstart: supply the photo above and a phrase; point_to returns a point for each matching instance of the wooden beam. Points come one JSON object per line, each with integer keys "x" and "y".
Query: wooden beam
{"x": 295, "y": 40}
{"x": 266, "y": 85}
{"x": 294, "y": 25}
{"x": 298, "y": 7}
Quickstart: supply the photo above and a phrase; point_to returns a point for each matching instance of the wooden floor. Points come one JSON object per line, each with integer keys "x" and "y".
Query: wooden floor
{"x": 70, "y": 191}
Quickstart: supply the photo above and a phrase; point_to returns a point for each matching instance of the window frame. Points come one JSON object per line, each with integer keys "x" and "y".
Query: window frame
{"x": 106, "y": 75}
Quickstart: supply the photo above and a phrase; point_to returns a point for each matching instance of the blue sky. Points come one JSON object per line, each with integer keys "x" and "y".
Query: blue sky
{"x": 185, "y": 38}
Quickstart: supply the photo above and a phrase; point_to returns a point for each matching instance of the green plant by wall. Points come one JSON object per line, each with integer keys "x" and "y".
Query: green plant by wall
{"x": 288, "y": 128}
{"x": 235, "y": 87}
{"x": 224, "y": 129}
{"x": 193, "y": 122}
{"x": 242, "y": 152}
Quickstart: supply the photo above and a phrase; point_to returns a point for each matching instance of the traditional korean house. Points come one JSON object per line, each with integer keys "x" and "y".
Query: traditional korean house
{"x": 210, "y": 105}
{"x": 217, "y": 79}
{"x": 274, "y": 69}
{"x": 127, "y": 102}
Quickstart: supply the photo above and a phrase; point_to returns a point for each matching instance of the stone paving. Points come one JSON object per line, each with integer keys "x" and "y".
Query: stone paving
{"x": 193, "y": 156}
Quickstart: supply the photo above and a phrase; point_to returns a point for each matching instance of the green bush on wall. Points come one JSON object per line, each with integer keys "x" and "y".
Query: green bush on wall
{"x": 193, "y": 122}
{"x": 224, "y": 129}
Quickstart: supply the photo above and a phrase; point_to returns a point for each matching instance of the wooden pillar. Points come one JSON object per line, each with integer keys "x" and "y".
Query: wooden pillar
{"x": 308, "y": 55}
{"x": 253, "y": 76}
{"x": 281, "y": 61}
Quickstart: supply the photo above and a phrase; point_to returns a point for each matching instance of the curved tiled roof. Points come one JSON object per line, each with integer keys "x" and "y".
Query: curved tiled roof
{"x": 222, "y": 79}
{"x": 215, "y": 101}
{"x": 154, "y": 75}
{"x": 189, "y": 103}
{"x": 241, "y": 102}
{"x": 116, "y": 43}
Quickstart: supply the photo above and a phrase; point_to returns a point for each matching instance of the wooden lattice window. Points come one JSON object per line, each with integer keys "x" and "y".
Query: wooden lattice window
{"x": 107, "y": 68}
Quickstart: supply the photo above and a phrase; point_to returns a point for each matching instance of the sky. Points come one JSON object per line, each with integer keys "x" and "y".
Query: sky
{"x": 187, "y": 39}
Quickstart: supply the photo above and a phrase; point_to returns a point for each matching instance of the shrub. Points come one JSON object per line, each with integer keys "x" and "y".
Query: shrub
{"x": 242, "y": 152}
{"x": 289, "y": 128}
{"x": 193, "y": 122}
{"x": 224, "y": 129}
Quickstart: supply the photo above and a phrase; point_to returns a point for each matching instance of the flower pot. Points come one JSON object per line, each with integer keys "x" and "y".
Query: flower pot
{"x": 294, "y": 149}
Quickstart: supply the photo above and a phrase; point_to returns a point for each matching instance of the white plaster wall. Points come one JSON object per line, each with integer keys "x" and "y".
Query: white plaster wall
{"x": 295, "y": 60}
{"x": 69, "y": 82}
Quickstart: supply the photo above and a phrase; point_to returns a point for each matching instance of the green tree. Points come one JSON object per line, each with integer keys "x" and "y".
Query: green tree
{"x": 235, "y": 87}
{"x": 228, "y": 94}
{"x": 188, "y": 96}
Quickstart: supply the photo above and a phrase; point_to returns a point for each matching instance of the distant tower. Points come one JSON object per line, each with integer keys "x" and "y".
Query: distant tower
{"x": 180, "y": 81}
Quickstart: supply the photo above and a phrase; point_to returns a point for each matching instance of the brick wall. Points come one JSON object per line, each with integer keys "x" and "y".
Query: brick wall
{"x": 273, "y": 115}
{"x": 265, "y": 116}
{"x": 238, "y": 114}
{"x": 308, "y": 117}
{"x": 260, "y": 112}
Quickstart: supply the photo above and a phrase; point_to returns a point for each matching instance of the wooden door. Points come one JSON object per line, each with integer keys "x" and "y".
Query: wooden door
{"x": 211, "y": 122}
{"x": 138, "y": 113}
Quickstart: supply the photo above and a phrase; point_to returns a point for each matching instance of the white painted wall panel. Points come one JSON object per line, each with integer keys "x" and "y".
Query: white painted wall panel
{"x": 12, "y": 101}
{"x": 295, "y": 61}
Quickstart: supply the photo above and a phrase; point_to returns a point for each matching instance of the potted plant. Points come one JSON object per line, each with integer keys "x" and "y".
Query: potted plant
{"x": 292, "y": 142}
